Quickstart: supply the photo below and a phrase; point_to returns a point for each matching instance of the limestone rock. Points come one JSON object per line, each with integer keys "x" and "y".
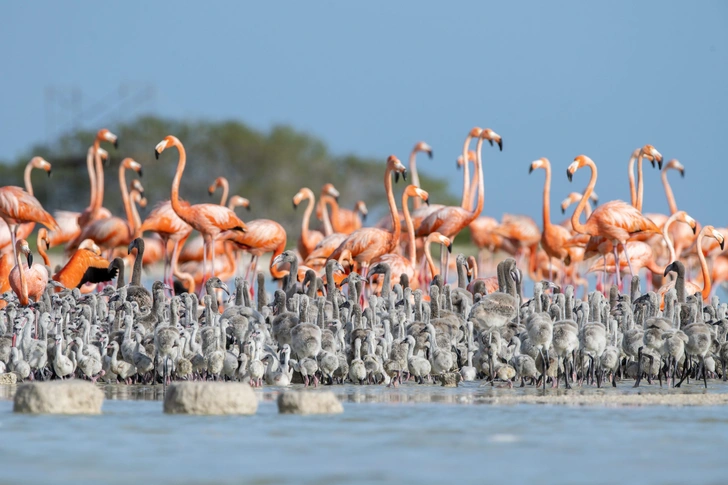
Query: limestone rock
{"x": 210, "y": 398}
{"x": 450, "y": 379}
{"x": 309, "y": 402}
{"x": 58, "y": 397}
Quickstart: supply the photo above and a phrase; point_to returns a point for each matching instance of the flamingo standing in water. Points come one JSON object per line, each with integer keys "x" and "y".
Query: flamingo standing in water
{"x": 28, "y": 281}
{"x": 208, "y": 219}
{"x": 94, "y": 210}
{"x": 616, "y": 221}
{"x": 369, "y": 243}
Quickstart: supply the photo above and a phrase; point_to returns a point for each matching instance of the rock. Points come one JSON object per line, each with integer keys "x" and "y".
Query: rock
{"x": 8, "y": 378}
{"x": 58, "y": 397}
{"x": 309, "y": 402}
{"x": 210, "y": 398}
{"x": 450, "y": 379}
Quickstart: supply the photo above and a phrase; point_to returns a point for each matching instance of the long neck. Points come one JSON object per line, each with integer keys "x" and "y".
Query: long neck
{"x": 412, "y": 250}
{"x": 136, "y": 272}
{"x": 640, "y": 183}
{"x": 632, "y": 190}
{"x": 225, "y": 191}
{"x": 23, "y": 297}
{"x": 396, "y": 226}
{"x": 466, "y": 174}
{"x": 707, "y": 284}
{"x": 174, "y": 198}
{"x": 575, "y": 223}
{"x": 99, "y": 201}
{"x": 668, "y": 192}
{"x": 307, "y": 214}
{"x": 472, "y": 193}
{"x": 430, "y": 263}
{"x": 481, "y": 186}
{"x": 91, "y": 176}
{"x": 546, "y": 197}
{"x": 328, "y": 230}
{"x": 43, "y": 253}
{"x": 415, "y": 176}
{"x": 125, "y": 195}
{"x": 136, "y": 221}
{"x": 26, "y": 178}
{"x": 668, "y": 239}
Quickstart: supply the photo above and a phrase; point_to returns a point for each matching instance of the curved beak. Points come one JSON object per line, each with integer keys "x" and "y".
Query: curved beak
{"x": 30, "y": 258}
{"x": 569, "y": 175}
{"x": 156, "y": 154}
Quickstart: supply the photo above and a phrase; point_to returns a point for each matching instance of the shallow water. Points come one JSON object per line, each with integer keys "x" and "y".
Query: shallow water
{"x": 415, "y": 434}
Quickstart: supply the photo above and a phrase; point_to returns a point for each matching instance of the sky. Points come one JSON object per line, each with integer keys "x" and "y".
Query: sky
{"x": 554, "y": 79}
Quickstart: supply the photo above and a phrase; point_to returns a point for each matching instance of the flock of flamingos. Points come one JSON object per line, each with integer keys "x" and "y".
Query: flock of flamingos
{"x": 361, "y": 304}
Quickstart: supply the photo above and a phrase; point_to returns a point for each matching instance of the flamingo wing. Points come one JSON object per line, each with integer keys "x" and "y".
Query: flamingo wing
{"x": 18, "y": 206}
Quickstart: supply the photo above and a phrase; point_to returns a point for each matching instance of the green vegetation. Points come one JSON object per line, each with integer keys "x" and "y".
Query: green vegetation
{"x": 267, "y": 168}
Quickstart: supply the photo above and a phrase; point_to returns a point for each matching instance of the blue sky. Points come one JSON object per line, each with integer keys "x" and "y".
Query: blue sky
{"x": 555, "y": 79}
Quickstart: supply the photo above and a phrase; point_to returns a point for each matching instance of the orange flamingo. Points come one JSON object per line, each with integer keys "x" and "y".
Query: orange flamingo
{"x": 369, "y": 243}
{"x": 521, "y": 230}
{"x": 682, "y": 236}
{"x": 342, "y": 220}
{"x": 28, "y": 281}
{"x": 681, "y": 216}
{"x": 85, "y": 266}
{"x": 17, "y": 207}
{"x": 322, "y": 212}
{"x": 419, "y": 147}
{"x": 113, "y": 231}
{"x": 6, "y": 265}
{"x": 220, "y": 182}
{"x": 491, "y": 282}
{"x": 553, "y": 236}
{"x": 616, "y": 221}
{"x": 398, "y": 264}
{"x": 309, "y": 238}
{"x": 642, "y": 257}
{"x": 43, "y": 244}
{"x": 208, "y": 219}
{"x": 435, "y": 237}
{"x": 650, "y": 153}
{"x": 93, "y": 211}
{"x": 691, "y": 287}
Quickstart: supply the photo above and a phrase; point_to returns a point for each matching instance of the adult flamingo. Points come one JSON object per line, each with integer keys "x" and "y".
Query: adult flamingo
{"x": 223, "y": 183}
{"x": 28, "y": 281}
{"x": 322, "y": 212}
{"x": 17, "y": 207}
{"x": 682, "y": 236}
{"x": 398, "y": 264}
{"x": 208, "y": 219}
{"x": 112, "y": 232}
{"x": 650, "y": 153}
{"x": 94, "y": 210}
{"x": 449, "y": 221}
{"x": 420, "y": 147}
{"x": 435, "y": 237}
{"x": 616, "y": 221}
{"x": 342, "y": 220}
{"x": 309, "y": 238}
{"x": 369, "y": 243}
{"x": 85, "y": 266}
{"x": 553, "y": 236}
{"x": 691, "y": 287}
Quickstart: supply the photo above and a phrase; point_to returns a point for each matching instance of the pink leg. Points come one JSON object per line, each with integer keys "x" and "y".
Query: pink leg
{"x": 616, "y": 263}
{"x": 212, "y": 261}
{"x": 629, "y": 263}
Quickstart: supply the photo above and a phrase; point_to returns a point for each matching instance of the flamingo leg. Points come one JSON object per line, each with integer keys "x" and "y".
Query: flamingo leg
{"x": 204, "y": 268}
{"x": 616, "y": 264}
{"x": 172, "y": 264}
{"x": 14, "y": 239}
{"x": 212, "y": 261}
{"x": 629, "y": 263}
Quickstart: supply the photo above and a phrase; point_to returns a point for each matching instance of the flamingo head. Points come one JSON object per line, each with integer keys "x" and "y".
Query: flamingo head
{"x": 164, "y": 144}
{"x": 414, "y": 191}
{"x": 298, "y": 198}
{"x": 106, "y": 135}
{"x": 540, "y": 163}
{"x": 41, "y": 163}
{"x": 675, "y": 165}
{"x": 423, "y": 147}
{"x": 90, "y": 245}
{"x": 492, "y": 137}
{"x": 137, "y": 185}
{"x": 22, "y": 247}
{"x": 651, "y": 154}
{"x": 137, "y": 244}
{"x": 330, "y": 190}
{"x": 475, "y": 132}
{"x": 238, "y": 201}
{"x": 684, "y": 217}
{"x": 103, "y": 155}
{"x": 572, "y": 197}
{"x": 361, "y": 207}
{"x": 712, "y": 232}
{"x": 131, "y": 164}
{"x": 439, "y": 238}
{"x": 138, "y": 198}
{"x": 219, "y": 182}
{"x": 579, "y": 162}
{"x": 395, "y": 165}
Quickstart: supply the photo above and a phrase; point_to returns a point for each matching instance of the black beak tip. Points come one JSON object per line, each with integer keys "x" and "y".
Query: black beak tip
{"x": 429, "y": 154}
{"x": 563, "y": 211}
{"x": 427, "y": 201}
{"x": 682, "y": 173}
{"x": 295, "y": 206}
{"x": 156, "y": 154}
{"x": 659, "y": 164}
{"x": 722, "y": 244}
{"x": 568, "y": 175}
{"x": 30, "y": 259}
{"x": 449, "y": 248}
{"x": 116, "y": 144}
{"x": 530, "y": 170}
{"x": 248, "y": 208}
{"x": 694, "y": 229}
{"x": 141, "y": 172}
{"x": 363, "y": 217}
{"x": 500, "y": 145}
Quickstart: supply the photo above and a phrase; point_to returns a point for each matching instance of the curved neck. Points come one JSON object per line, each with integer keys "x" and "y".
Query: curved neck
{"x": 632, "y": 190}
{"x": 174, "y": 198}
{"x": 707, "y": 284}
{"x": 547, "y": 196}
{"x": 26, "y": 178}
{"x": 225, "y": 190}
{"x": 136, "y": 272}
{"x": 99, "y": 200}
{"x": 472, "y": 193}
{"x": 479, "y": 175}
{"x": 578, "y": 226}
{"x": 668, "y": 239}
{"x": 430, "y": 263}
{"x": 307, "y": 214}
{"x": 396, "y": 226}
{"x": 328, "y": 229}
{"x": 640, "y": 183}
{"x": 415, "y": 176}
{"x": 668, "y": 192}
{"x": 43, "y": 254}
{"x": 91, "y": 176}
{"x": 136, "y": 221}
{"x": 466, "y": 174}
{"x": 125, "y": 195}
{"x": 23, "y": 297}
{"x": 412, "y": 250}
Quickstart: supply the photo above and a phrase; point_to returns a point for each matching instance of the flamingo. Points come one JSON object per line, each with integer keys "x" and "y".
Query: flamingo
{"x": 43, "y": 244}
{"x": 208, "y": 219}
{"x": 398, "y": 264}
{"x": 86, "y": 266}
{"x": 308, "y": 239}
{"x": 18, "y": 206}
{"x": 112, "y": 232}
{"x": 220, "y": 182}
{"x": 681, "y": 216}
{"x": 650, "y": 153}
{"x": 322, "y": 212}
{"x": 369, "y": 243}
{"x": 28, "y": 281}
{"x": 553, "y": 236}
{"x": 616, "y": 221}
{"x": 440, "y": 239}
{"x": 343, "y": 221}
{"x": 642, "y": 257}
{"x": 682, "y": 236}
{"x": 95, "y": 210}
{"x": 491, "y": 282}
{"x": 419, "y": 147}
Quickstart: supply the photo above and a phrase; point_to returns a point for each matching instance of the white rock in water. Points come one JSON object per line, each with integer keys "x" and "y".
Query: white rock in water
{"x": 58, "y": 397}
{"x": 309, "y": 402}
{"x": 8, "y": 378}
{"x": 210, "y": 398}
